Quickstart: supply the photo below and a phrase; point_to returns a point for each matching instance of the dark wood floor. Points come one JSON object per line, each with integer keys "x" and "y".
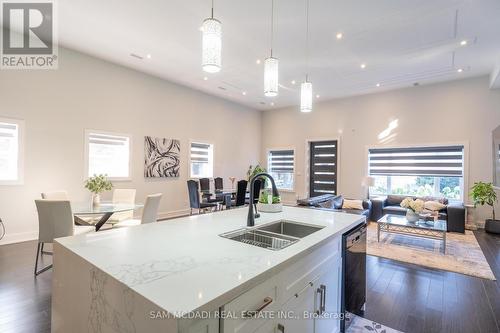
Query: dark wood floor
{"x": 406, "y": 297}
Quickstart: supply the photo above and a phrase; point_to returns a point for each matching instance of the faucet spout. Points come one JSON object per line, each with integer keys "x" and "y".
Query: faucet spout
{"x": 251, "y": 215}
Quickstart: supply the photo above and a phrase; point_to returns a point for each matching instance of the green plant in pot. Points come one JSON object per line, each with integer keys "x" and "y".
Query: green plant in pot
{"x": 96, "y": 185}
{"x": 484, "y": 194}
{"x": 269, "y": 203}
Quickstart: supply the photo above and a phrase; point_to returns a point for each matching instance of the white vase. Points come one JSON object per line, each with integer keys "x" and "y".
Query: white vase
{"x": 411, "y": 216}
{"x": 269, "y": 208}
{"x": 96, "y": 199}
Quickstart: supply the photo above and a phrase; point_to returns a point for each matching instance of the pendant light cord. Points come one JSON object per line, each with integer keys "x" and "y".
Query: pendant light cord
{"x": 212, "y": 8}
{"x": 272, "y": 26}
{"x": 307, "y": 39}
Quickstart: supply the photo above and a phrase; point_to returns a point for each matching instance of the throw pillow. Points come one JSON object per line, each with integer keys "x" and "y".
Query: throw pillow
{"x": 434, "y": 206}
{"x": 352, "y": 204}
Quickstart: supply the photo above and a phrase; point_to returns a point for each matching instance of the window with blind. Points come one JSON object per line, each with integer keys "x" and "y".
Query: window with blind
{"x": 420, "y": 171}
{"x": 10, "y": 151}
{"x": 322, "y": 168}
{"x": 281, "y": 165}
{"x": 201, "y": 160}
{"x": 108, "y": 154}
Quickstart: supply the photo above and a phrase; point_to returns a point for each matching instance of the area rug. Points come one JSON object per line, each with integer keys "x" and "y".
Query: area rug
{"x": 463, "y": 254}
{"x": 361, "y": 325}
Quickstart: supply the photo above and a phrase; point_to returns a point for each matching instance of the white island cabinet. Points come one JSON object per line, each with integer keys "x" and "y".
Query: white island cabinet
{"x": 181, "y": 276}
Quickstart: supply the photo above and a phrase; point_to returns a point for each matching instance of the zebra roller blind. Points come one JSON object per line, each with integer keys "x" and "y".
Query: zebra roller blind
{"x": 200, "y": 152}
{"x": 280, "y": 161}
{"x": 440, "y": 161}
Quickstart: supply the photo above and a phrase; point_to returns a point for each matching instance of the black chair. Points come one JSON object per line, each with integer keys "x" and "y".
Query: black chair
{"x": 241, "y": 191}
{"x": 219, "y": 184}
{"x": 194, "y": 198}
{"x": 256, "y": 191}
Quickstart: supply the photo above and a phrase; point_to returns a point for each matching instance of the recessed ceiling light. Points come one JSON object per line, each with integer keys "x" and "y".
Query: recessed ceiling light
{"x": 272, "y": 103}
{"x": 363, "y": 66}
{"x": 243, "y": 93}
{"x": 378, "y": 84}
{"x": 339, "y": 35}
{"x": 293, "y": 82}
{"x": 257, "y": 61}
{"x": 460, "y": 70}
{"x": 463, "y": 43}
{"x": 148, "y": 56}
{"x": 317, "y": 96}
{"x": 205, "y": 78}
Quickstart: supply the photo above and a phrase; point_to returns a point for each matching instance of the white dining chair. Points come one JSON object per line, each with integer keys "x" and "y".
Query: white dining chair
{"x": 63, "y": 195}
{"x": 123, "y": 196}
{"x": 55, "y": 219}
{"x": 149, "y": 212}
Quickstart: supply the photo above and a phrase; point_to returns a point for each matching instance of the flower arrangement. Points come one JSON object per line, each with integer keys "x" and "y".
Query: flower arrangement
{"x": 416, "y": 206}
{"x": 98, "y": 184}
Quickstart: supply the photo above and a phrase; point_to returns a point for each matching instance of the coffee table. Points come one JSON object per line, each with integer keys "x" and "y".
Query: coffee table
{"x": 398, "y": 224}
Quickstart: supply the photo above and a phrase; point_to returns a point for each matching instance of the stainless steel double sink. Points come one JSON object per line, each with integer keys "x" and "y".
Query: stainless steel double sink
{"x": 274, "y": 236}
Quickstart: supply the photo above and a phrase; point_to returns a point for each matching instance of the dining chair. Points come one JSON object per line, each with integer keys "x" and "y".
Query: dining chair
{"x": 218, "y": 183}
{"x": 256, "y": 191}
{"x": 55, "y": 219}
{"x": 149, "y": 212}
{"x": 63, "y": 195}
{"x": 123, "y": 196}
{"x": 241, "y": 191}
{"x": 194, "y": 198}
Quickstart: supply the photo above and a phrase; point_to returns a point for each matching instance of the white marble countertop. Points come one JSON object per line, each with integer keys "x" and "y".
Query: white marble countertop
{"x": 183, "y": 265}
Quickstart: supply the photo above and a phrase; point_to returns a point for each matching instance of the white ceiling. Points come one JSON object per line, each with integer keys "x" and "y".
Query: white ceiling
{"x": 401, "y": 42}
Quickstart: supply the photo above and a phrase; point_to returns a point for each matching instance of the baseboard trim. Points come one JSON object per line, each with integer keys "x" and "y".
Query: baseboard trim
{"x": 19, "y": 237}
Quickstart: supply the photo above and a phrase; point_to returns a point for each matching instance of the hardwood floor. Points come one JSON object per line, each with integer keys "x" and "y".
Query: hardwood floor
{"x": 405, "y": 297}
{"x": 413, "y": 298}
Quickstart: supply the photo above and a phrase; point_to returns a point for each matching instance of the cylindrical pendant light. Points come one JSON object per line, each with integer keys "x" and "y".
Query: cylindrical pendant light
{"x": 211, "y": 44}
{"x": 306, "y": 87}
{"x": 271, "y": 77}
{"x": 271, "y": 65}
{"x": 306, "y": 94}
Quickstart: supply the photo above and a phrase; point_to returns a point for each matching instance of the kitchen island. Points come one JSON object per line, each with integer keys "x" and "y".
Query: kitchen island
{"x": 182, "y": 276}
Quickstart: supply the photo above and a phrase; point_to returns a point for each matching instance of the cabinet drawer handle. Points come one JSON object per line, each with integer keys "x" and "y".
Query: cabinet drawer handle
{"x": 250, "y": 314}
{"x": 323, "y": 300}
{"x": 281, "y": 328}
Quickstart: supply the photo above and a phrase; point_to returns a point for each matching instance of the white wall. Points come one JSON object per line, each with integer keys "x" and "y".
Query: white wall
{"x": 88, "y": 93}
{"x": 464, "y": 111}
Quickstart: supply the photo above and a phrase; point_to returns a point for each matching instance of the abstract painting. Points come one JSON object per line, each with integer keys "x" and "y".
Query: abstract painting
{"x": 161, "y": 157}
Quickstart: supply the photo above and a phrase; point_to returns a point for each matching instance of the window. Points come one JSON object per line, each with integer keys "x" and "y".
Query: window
{"x": 108, "y": 154}
{"x": 420, "y": 171}
{"x": 322, "y": 167}
{"x": 11, "y": 151}
{"x": 280, "y": 164}
{"x": 201, "y": 160}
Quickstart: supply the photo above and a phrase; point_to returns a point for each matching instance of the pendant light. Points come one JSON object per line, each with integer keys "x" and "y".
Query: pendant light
{"x": 306, "y": 86}
{"x": 211, "y": 44}
{"x": 271, "y": 65}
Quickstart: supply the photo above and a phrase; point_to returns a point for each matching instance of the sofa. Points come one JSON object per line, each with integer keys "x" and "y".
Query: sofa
{"x": 334, "y": 203}
{"x": 453, "y": 213}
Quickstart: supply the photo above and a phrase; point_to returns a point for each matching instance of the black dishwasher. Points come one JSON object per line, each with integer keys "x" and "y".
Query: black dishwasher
{"x": 353, "y": 272}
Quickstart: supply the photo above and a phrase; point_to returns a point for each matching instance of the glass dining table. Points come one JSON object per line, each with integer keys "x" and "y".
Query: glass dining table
{"x": 104, "y": 210}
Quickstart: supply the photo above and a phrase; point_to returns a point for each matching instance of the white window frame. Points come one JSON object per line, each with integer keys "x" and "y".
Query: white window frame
{"x": 268, "y": 150}
{"x": 20, "y": 152}
{"x": 204, "y": 142}
{"x": 465, "y": 144}
{"x": 86, "y": 143}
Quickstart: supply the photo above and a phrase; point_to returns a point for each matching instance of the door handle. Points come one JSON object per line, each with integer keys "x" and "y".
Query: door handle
{"x": 281, "y": 328}
{"x": 323, "y": 301}
{"x": 252, "y": 313}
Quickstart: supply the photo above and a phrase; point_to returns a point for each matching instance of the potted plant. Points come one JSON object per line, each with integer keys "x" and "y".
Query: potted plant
{"x": 96, "y": 185}
{"x": 484, "y": 194}
{"x": 413, "y": 208}
{"x": 252, "y": 171}
{"x": 268, "y": 203}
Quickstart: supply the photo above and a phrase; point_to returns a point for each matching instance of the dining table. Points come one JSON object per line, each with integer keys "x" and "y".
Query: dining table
{"x": 105, "y": 210}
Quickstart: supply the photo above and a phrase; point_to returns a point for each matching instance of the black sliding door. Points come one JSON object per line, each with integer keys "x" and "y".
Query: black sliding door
{"x": 322, "y": 168}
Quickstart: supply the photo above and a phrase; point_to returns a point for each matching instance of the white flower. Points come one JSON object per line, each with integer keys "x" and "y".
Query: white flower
{"x": 415, "y": 205}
